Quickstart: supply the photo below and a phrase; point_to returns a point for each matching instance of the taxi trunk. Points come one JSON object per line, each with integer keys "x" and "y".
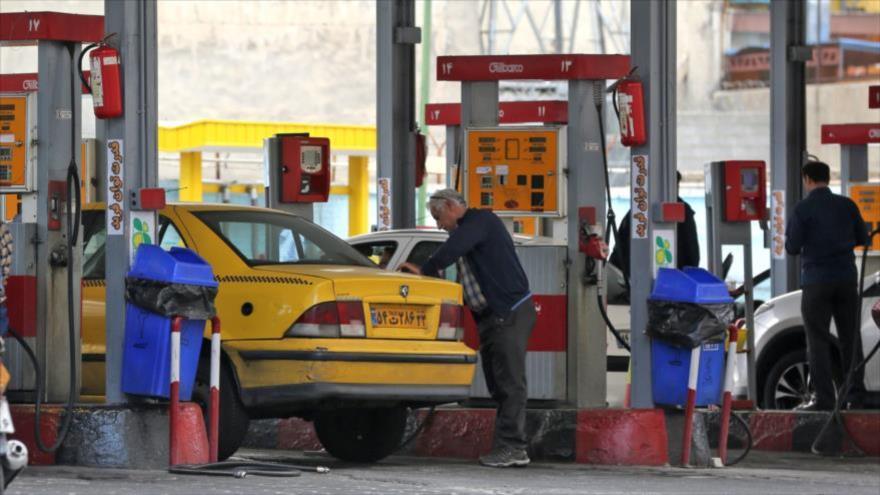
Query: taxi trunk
{"x": 389, "y": 305}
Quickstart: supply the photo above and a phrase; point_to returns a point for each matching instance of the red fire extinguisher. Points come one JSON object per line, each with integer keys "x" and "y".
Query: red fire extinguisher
{"x": 631, "y": 112}
{"x": 105, "y": 81}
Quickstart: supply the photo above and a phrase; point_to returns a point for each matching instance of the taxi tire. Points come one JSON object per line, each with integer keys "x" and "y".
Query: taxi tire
{"x": 361, "y": 435}
{"x": 234, "y": 420}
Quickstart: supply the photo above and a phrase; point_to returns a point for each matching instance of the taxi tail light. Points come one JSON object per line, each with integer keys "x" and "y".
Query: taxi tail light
{"x": 330, "y": 320}
{"x": 451, "y": 322}
{"x": 351, "y": 319}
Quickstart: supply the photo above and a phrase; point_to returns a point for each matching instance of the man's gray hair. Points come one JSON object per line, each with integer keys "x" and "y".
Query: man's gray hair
{"x": 439, "y": 198}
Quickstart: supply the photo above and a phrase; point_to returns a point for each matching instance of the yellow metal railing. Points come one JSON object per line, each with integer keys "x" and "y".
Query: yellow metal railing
{"x": 191, "y": 139}
{"x": 212, "y": 134}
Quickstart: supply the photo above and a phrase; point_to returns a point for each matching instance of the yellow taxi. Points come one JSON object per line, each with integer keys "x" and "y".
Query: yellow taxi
{"x": 311, "y": 328}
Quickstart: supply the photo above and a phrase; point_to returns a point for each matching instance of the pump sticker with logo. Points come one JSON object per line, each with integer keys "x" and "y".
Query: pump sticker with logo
{"x": 141, "y": 230}
{"x": 640, "y": 207}
{"x": 777, "y": 224}
{"x": 664, "y": 249}
{"x": 115, "y": 186}
{"x": 384, "y": 206}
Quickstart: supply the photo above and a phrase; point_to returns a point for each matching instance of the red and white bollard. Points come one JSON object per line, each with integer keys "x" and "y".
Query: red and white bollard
{"x": 214, "y": 410}
{"x": 693, "y": 375}
{"x": 174, "y": 391}
{"x": 728, "y": 393}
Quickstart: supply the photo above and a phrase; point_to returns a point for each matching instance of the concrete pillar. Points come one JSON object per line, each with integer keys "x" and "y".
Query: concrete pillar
{"x": 653, "y": 28}
{"x": 396, "y": 37}
{"x": 135, "y": 143}
{"x": 788, "y": 134}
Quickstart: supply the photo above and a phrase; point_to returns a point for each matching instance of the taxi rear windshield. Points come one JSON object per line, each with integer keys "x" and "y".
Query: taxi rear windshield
{"x": 267, "y": 238}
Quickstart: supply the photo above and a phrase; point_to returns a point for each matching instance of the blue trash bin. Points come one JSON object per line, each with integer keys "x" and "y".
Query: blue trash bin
{"x": 670, "y": 365}
{"x": 146, "y": 358}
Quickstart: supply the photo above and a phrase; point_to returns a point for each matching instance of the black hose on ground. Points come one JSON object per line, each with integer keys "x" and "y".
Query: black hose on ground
{"x": 240, "y": 469}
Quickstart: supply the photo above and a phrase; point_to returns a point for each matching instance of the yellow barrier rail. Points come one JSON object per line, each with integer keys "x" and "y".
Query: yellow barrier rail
{"x": 210, "y": 135}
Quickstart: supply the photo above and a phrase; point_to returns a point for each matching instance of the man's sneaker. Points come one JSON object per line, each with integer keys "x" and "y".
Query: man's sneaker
{"x": 504, "y": 456}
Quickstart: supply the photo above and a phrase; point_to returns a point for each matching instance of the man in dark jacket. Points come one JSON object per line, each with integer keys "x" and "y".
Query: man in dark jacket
{"x": 497, "y": 292}
{"x": 687, "y": 244}
{"x": 824, "y": 229}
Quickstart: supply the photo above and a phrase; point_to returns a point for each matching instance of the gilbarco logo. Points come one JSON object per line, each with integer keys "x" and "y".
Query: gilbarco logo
{"x": 502, "y": 67}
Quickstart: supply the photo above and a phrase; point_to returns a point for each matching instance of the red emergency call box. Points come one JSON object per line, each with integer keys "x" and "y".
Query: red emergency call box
{"x": 304, "y": 163}
{"x": 745, "y": 191}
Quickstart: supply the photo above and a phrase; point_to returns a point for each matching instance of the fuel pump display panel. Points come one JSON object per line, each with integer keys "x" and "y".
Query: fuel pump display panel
{"x": 514, "y": 171}
{"x": 13, "y": 143}
{"x": 867, "y": 198}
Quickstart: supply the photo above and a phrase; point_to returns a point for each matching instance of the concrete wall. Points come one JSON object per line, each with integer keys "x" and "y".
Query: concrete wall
{"x": 736, "y": 124}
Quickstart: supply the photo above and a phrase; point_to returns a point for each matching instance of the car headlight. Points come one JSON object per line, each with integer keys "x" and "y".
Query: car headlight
{"x": 332, "y": 319}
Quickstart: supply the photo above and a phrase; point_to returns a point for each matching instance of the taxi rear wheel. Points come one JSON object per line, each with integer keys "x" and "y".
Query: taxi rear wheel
{"x": 361, "y": 435}
{"x": 234, "y": 420}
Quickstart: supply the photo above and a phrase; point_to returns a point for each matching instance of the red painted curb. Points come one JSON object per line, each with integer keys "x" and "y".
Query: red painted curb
{"x": 628, "y": 437}
{"x": 463, "y": 433}
{"x": 865, "y": 430}
{"x": 192, "y": 446}
{"x": 622, "y": 437}
{"x": 772, "y": 430}
{"x": 23, "y": 420}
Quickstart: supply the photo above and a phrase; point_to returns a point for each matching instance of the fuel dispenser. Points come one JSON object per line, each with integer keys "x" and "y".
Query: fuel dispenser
{"x": 736, "y": 196}
{"x": 298, "y": 170}
{"x": 548, "y": 173}
{"x": 40, "y": 156}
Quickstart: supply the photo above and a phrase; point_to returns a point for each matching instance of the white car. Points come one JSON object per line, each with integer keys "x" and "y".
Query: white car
{"x": 781, "y": 360}
{"x": 390, "y": 248}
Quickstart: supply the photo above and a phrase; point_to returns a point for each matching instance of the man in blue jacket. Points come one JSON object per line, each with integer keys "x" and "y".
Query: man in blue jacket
{"x": 824, "y": 229}
{"x": 497, "y": 292}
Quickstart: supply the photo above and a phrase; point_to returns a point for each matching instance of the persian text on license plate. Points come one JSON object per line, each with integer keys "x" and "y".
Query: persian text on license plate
{"x": 398, "y": 316}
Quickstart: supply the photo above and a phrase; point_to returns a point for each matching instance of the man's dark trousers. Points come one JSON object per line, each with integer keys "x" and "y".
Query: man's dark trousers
{"x": 819, "y": 303}
{"x": 503, "y": 344}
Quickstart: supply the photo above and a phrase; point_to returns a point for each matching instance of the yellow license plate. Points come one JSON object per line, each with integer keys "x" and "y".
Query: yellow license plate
{"x": 391, "y": 316}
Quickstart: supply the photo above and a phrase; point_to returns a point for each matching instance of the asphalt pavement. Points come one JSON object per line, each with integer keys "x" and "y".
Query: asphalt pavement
{"x": 762, "y": 473}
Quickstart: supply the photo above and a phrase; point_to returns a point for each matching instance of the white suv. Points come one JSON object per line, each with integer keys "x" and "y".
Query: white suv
{"x": 781, "y": 359}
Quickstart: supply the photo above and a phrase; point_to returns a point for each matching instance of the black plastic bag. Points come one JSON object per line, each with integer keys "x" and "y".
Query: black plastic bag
{"x": 688, "y": 325}
{"x": 194, "y": 302}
